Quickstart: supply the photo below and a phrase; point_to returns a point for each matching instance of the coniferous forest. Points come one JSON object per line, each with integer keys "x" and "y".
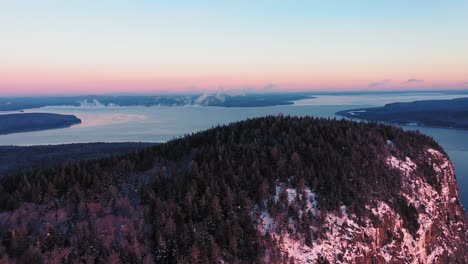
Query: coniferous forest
{"x": 191, "y": 200}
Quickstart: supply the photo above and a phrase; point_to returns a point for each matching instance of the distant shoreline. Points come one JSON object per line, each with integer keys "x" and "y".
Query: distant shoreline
{"x": 28, "y": 122}
{"x": 452, "y": 114}
{"x": 209, "y": 99}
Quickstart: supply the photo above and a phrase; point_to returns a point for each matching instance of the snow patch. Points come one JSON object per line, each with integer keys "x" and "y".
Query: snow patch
{"x": 407, "y": 166}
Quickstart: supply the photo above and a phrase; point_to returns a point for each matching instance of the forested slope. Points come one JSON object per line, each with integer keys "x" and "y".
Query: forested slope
{"x": 201, "y": 198}
{"x": 25, "y": 158}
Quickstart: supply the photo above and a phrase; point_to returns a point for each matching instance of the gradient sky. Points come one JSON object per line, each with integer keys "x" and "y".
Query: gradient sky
{"x": 105, "y": 46}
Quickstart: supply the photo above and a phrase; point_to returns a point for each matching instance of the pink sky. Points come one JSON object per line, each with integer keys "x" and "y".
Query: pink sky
{"x": 159, "y": 46}
{"x": 99, "y": 81}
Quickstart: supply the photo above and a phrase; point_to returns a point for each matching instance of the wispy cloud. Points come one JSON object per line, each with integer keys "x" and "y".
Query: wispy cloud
{"x": 378, "y": 83}
{"x": 221, "y": 93}
{"x": 466, "y": 83}
{"x": 413, "y": 80}
{"x": 268, "y": 87}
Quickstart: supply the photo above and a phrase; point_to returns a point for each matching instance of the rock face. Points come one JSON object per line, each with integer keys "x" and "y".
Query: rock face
{"x": 432, "y": 228}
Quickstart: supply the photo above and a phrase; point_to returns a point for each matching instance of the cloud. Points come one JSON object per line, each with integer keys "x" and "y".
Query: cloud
{"x": 413, "y": 80}
{"x": 202, "y": 98}
{"x": 379, "y": 83}
{"x": 466, "y": 83}
{"x": 91, "y": 103}
{"x": 268, "y": 87}
{"x": 221, "y": 93}
{"x": 244, "y": 90}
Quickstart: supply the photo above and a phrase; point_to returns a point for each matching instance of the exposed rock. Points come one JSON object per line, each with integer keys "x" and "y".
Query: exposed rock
{"x": 438, "y": 234}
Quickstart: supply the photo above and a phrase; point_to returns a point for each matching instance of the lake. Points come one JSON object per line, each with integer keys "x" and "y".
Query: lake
{"x": 160, "y": 124}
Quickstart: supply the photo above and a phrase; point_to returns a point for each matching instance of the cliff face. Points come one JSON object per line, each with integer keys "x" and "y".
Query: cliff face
{"x": 430, "y": 228}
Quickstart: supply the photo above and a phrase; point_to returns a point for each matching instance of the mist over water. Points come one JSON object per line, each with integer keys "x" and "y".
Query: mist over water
{"x": 160, "y": 124}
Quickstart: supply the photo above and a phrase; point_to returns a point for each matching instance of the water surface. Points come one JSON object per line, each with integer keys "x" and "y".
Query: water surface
{"x": 159, "y": 124}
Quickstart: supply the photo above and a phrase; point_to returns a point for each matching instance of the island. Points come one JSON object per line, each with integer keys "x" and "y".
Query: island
{"x": 25, "y": 122}
{"x": 451, "y": 113}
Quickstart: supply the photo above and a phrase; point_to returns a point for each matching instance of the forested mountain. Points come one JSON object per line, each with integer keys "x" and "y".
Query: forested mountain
{"x": 272, "y": 190}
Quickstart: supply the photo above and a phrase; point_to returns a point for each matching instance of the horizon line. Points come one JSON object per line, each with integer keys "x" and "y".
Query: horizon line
{"x": 243, "y": 92}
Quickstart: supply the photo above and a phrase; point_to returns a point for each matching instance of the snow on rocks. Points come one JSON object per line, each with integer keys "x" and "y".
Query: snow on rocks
{"x": 341, "y": 238}
{"x": 407, "y": 166}
{"x": 338, "y": 232}
{"x": 432, "y": 205}
{"x": 444, "y": 171}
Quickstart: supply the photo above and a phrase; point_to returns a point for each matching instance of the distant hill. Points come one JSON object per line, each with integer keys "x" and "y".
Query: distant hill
{"x": 14, "y": 123}
{"x": 265, "y": 190}
{"x": 439, "y": 113}
{"x": 208, "y": 99}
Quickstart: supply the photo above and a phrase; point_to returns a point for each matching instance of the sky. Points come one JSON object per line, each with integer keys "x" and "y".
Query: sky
{"x": 111, "y": 46}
